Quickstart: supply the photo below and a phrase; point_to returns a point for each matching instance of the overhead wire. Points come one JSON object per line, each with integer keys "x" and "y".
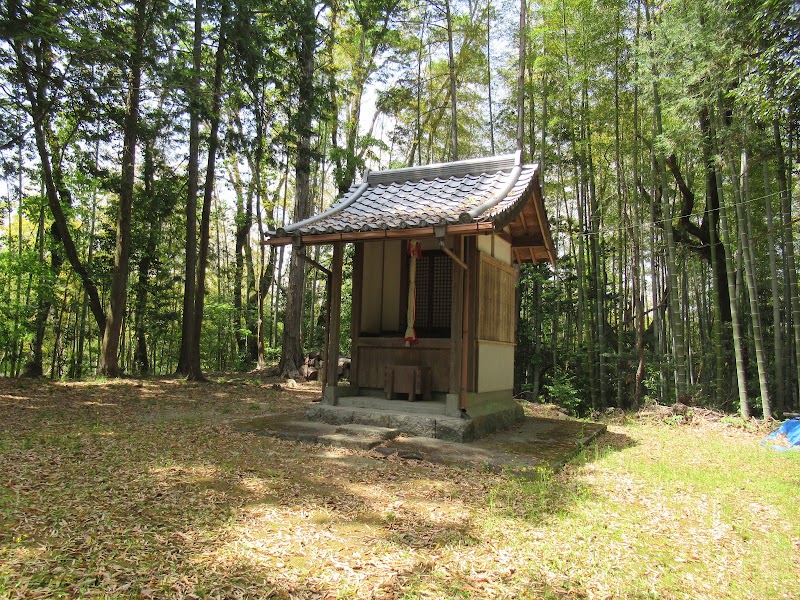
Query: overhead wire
{"x": 659, "y": 223}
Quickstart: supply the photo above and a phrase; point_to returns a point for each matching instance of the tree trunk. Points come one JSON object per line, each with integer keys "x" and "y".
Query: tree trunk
{"x": 109, "y": 364}
{"x": 58, "y": 331}
{"x": 777, "y": 332}
{"x": 621, "y": 210}
{"x": 265, "y": 274}
{"x": 278, "y": 272}
{"x": 742, "y": 196}
{"x": 489, "y": 73}
{"x": 671, "y": 263}
{"x": 597, "y": 263}
{"x": 195, "y": 369}
{"x": 785, "y": 189}
{"x": 141, "y": 359}
{"x": 36, "y": 82}
{"x": 741, "y": 375}
{"x": 242, "y": 224}
{"x": 638, "y": 294}
{"x": 78, "y": 370}
{"x": 537, "y": 337}
{"x": 35, "y": 366}
{"x": 16, "y": 344}
{"x": 193, "y": 178}
{"x": 292, "y": 346}
{"x": 523, "y": 13}
{"x": 452, "y": 74}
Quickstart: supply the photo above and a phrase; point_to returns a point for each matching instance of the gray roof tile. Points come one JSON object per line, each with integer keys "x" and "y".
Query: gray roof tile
{"x": 424, "y": 196}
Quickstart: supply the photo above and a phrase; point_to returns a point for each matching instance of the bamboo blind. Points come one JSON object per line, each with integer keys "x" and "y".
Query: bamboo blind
{"x": 496, "y": 300}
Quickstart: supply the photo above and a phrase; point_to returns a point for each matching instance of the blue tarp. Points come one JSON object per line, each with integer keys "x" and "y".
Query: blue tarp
{"x": 785, "y": 437}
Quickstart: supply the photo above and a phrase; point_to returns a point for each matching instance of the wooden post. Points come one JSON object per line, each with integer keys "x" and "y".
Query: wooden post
{"x": 457, "y": 324}
{"x": 323, "y": 368}
{"x": 355, "y": 321}
{"x": 334, "y": 310}
{"x": 465, "y": 332}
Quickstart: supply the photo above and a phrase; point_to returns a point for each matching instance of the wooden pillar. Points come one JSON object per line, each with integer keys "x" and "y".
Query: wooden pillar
{"x": 471, "y": 285}
{"x": 323, "y": 369}
{"x": 355, "y": 320}
{"x": 334, "y": 312}
{"x": 457, "y": 322}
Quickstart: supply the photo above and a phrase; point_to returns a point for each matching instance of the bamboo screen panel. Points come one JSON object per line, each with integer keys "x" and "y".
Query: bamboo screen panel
{"x": 497, "y": 314}
{"x": 434, "y": 291}
{"x": 423, "y": 285}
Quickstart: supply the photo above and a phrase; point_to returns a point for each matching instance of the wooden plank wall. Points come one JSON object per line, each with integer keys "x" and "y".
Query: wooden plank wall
{"x": 374, "y": 357}
{"x": 496, "y": 300}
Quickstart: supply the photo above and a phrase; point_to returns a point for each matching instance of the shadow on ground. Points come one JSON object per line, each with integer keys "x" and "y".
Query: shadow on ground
{"x": 140, "y": 489}
{"x": 532, "y": 445}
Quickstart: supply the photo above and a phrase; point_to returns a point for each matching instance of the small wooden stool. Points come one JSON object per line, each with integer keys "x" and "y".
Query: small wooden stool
{"x": 402, "y": 379}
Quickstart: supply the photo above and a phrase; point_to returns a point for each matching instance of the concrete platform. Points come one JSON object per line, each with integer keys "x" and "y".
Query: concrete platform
{"x": 428, "y": 407}
{"x": 418, "y": 423}
{"x": 524, "y": 449}
{"x": 532, "y": 444}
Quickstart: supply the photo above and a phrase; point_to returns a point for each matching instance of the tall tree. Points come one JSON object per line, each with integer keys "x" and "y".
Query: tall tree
{"x": 40, "y": 74}
{"x": 109, "y": 364}
{"x": 523, "y": 42}
{"x": 743, "y": 196}
{"x": 304, "y": 47}
{"x": 675, "y": 320}
{"x": 195, "y": 360}
{"x": 451, "y": 78}
{"x": 360, "y": 42}
{"x": 188, "y": 319}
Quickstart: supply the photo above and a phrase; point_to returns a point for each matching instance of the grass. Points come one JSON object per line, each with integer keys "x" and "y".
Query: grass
{"x": 141, "y": 489}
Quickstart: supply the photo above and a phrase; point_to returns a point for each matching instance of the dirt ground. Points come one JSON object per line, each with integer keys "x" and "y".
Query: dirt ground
{"x": 142, "y": 489}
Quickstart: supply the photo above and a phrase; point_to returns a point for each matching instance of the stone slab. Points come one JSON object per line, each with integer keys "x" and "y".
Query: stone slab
{"x": 525, "y": 449}
{"x": 293, "y": 428}
{"x": 352, "y": 442}
{"x": 427, "y": 425}
{"x": 532, "y": 446}
{"x": 431, "y": 407}
{"x": 368, "y": 431}
{"x": 333, "y": 415}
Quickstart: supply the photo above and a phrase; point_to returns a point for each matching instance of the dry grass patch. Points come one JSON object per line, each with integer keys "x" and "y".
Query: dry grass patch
{"x": 137, "y": 489}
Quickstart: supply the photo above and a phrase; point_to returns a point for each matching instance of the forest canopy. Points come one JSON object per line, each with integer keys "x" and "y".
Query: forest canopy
{"x": 147, "y": 146}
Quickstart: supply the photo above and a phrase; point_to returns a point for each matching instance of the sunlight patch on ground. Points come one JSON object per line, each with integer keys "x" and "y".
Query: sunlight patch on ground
{"x": 105, "y": 490}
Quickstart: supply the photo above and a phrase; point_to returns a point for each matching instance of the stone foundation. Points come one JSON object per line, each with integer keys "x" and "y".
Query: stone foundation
{"x": 453, "y": 429}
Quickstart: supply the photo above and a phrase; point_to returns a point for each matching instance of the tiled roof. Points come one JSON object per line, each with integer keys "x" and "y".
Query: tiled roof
{"x": 489, "y": 192}
{"x": 424, "y": 196}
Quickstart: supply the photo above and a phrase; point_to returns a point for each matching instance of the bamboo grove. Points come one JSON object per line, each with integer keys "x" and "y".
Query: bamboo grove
{"x": 147, "y": 147}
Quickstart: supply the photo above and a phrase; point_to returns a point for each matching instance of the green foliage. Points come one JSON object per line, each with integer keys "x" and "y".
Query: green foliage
{"x": 561, "y": 390}
{"x": 589, "y": 100}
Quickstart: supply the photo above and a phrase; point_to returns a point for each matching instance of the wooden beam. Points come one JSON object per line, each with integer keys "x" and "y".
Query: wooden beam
{"x": 522, "y": 218}
{"x": 406, "y": 234}
{"x": 497, "y": 264}
{"x": 474, "y": 228}
{"x": 527, "y": 241}
{"x": 417, "y": 232}
{"x": 453, "y": 256}
{"x": 277, "y": 241}
{"x": 469, "y": 373}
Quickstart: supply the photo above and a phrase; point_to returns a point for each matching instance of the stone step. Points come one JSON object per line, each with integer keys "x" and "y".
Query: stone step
{"x": 428, "y": 407}
{"x": 307, "y": 432}
{"x": 434, "y": 426}
{"x": 353, "y": 436}
{"x": 351, "y": 442}
{"x": 368, "y": 431}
